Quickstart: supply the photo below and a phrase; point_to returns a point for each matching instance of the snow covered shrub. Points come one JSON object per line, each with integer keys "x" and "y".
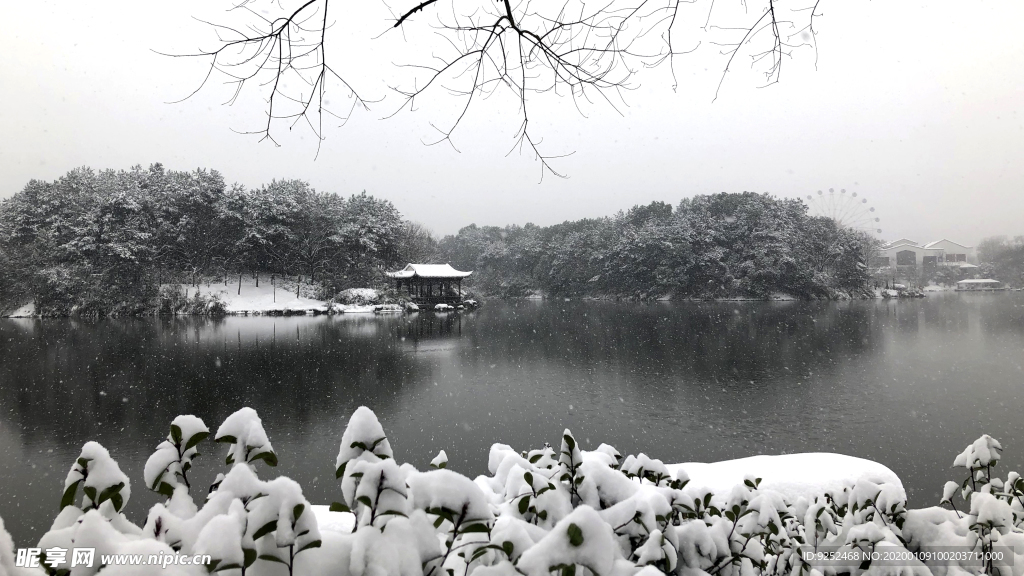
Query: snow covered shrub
{"x": 167, "y": 469}
{"x": 542, "y": 512}
{"x": 994, "y": 507}
{"x": 360, "y": 296}
{"x": 248, "y": 442}
{"x": 172, "y": 299}
{"x": 101, "y": 480}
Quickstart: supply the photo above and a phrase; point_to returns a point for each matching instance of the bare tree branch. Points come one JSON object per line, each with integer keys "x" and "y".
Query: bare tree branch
{"x": 589, "y": 52}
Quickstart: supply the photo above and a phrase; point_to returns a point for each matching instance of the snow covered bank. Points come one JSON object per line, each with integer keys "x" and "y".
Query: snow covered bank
{"x": 24, "y": 311}
{"x": 263, "y": 299}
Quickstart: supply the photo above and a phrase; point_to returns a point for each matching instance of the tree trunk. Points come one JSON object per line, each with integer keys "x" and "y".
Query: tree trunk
{"x": 239, "y": 283}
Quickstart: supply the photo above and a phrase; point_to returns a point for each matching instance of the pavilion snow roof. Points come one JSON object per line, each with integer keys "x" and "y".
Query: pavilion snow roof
{"x": 429, "y": 271}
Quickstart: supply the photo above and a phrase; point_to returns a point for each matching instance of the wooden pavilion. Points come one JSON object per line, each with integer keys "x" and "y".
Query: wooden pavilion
{"x": 431, "y": 284}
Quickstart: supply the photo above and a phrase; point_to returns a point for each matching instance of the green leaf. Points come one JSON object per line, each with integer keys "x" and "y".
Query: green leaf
{"x": 69, "y": 494}
{"x": 313, "y": 544}
{"x": 298, "y": 510}
{"x": 575, "y": 535}
{"x": 165, "y": 489}
{"x": 109, "y": 492}
{"x": 118, "y": 501}
{"x": 479, "y": 527}
{"x": 339, "y": 507}
{"x": 524, "y": 504}
{"x": 569, "y": 441}
{"x": 535, "y": 458}
{"x": 529, "y": 479}
{"x": 227, "y": 438}
{"x": 176, "y": 434}
{"x": 264, "y": 530}
{"x": 341, "y": 470}
{"x": 90, "y": 492}
{"x": 272, "y": 558}
{"x": 248, "y": 556}
{"x": 569, "y": 570}
{"x": 365, "y": 500}
{"x": 507, "y": 546}
{"x": 269, "y": 457}
{"x": 212, "y": 566}
{"x": 196, "y": 439}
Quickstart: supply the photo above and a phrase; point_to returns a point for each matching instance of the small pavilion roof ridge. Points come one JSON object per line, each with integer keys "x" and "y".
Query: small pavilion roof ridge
{"x": 428, "y": 271}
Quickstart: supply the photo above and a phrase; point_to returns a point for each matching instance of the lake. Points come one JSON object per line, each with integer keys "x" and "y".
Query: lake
{"x": 905, "y": 383}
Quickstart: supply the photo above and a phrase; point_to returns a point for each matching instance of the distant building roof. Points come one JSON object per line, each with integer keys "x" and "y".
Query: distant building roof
{"x": 907, "y": 244}
{"x": 428, "y": 271}
{"x": 966, "y": 265}
{"x": 901, "y": 242}
{"x": 932, "y": 244}
{"x": 979, "y": 281}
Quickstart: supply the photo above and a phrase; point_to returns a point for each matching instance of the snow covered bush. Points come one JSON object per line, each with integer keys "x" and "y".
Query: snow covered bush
{"x": 542, "y": 512}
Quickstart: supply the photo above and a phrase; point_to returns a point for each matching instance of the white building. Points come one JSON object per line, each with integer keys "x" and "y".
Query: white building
{"x": 905, "y": 253}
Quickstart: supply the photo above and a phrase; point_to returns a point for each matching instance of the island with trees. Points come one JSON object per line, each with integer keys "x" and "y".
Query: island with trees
{"x": 124, "y": 243}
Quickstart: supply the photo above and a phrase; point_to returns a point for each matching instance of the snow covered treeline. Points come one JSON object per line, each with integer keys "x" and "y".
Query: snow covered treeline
{"x": 722, "y": 245}
{"x": 1002, "y": 258}
{"x": 549, "y": 511}
{"x": 103, "y": 242}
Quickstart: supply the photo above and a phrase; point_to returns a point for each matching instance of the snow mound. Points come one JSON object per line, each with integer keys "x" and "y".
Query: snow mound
{"x": 792, "y": 475}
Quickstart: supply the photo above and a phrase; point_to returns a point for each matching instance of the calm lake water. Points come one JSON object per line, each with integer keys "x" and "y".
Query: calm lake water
{"x": 908, "y": 384}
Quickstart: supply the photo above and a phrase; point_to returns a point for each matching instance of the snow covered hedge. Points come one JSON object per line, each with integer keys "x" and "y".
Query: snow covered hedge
{"x": 550, "y": 511}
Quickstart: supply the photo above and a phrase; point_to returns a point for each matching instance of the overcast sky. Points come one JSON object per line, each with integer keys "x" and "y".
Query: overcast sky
{"x": 917, "y": 106}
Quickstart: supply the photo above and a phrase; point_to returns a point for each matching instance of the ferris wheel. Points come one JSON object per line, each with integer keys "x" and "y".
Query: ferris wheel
{"x": 847, "y": 209}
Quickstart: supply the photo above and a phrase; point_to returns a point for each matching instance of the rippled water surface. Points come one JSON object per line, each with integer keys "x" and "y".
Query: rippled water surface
{"x": 906, "y": 383}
